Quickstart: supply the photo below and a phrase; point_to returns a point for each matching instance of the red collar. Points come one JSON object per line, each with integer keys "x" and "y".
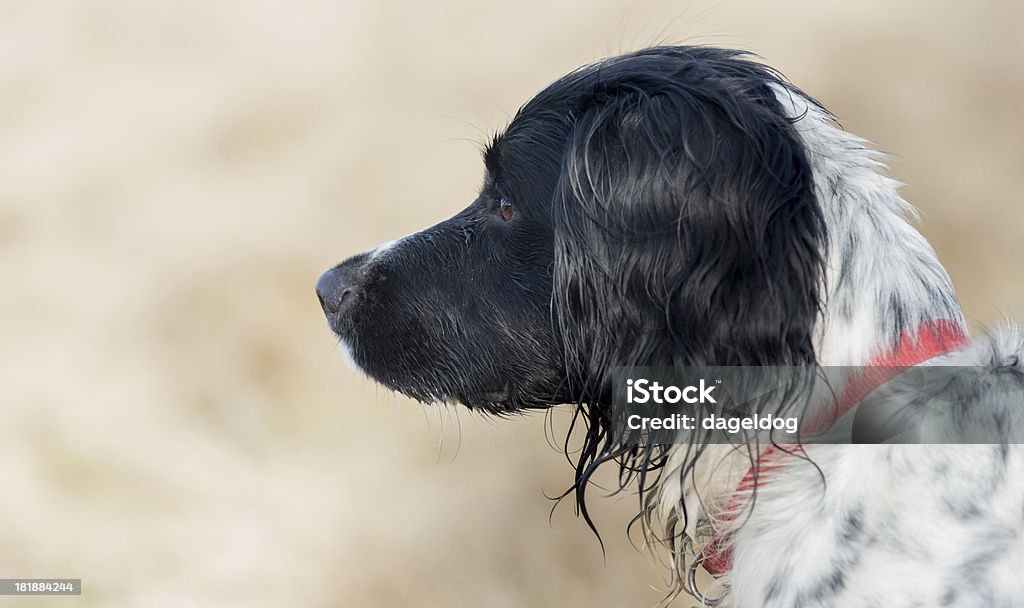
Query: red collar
{"x": 932, "y": 338}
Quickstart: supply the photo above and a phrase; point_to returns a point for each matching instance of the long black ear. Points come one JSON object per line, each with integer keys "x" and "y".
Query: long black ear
{"x": 686, "y": 227}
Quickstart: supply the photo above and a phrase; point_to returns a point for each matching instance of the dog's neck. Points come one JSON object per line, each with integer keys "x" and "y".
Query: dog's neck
{"x": 882, "y": 279}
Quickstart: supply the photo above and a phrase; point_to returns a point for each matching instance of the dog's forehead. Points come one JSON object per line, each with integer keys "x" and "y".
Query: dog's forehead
{"x": 530, "y": 149}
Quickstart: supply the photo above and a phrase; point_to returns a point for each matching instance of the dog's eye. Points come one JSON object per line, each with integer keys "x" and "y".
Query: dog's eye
{"x": 506, "y": 210}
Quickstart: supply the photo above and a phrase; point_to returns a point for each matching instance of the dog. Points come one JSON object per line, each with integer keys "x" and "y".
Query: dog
{"x": 687, "y": 206}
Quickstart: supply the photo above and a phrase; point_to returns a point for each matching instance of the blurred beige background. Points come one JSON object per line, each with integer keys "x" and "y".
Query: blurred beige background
{"x": 178, "y": 427}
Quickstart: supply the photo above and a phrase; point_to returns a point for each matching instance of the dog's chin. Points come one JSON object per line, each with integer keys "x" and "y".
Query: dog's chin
{"x": 499, "y": 402}
{"x": 494, "y": 396}
{"x": 500, "y": 399}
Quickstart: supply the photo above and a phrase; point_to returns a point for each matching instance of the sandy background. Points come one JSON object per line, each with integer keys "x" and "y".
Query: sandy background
{"x": 178, "y": 428}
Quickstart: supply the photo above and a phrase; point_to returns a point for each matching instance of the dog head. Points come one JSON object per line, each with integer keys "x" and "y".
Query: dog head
{"x": 653, "y": 209}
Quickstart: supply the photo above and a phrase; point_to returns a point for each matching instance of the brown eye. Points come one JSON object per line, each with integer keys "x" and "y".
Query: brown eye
{"x": 506, "y": 209}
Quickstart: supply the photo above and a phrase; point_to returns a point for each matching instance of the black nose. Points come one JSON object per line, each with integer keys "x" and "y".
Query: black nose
{"x": 337, "y": 290}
